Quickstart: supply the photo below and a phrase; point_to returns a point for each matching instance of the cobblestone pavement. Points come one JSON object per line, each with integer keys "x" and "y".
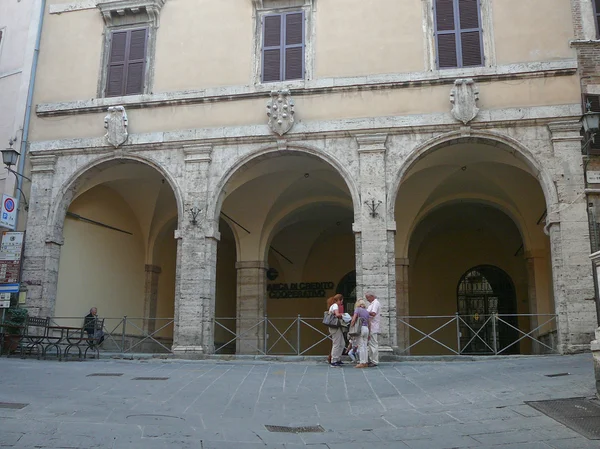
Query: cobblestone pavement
{"x": 226, "y": 404}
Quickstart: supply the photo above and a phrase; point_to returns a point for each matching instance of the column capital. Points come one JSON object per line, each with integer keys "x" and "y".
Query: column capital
{"x": 43, "y": 164}
{"x": 152, "y": 269}
{"x": 194, "y": 154}
{"x": 565, "y": 130}
{"x": 260, "y": 264}
{"x": 371, "y": 143}
{"x": 402, "y": 261}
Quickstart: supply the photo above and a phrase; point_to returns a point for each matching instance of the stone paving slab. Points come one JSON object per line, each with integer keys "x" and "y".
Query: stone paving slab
{"x": 213, "y": 403}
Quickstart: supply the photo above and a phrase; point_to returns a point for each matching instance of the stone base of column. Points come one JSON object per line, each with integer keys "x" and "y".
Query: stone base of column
{"x": 595, "y": 347}
{"x": 188, "y": 350}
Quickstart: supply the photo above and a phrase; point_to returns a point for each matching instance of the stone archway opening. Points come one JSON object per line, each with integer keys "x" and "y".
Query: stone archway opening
{"x": 291, "y": 216}
{"x": 460, "y": 206}
{"x": 119, "y": 252}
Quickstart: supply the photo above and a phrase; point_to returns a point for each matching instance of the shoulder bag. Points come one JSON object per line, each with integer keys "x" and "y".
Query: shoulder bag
{"x": 355, "y": 328}
{"x": 330, "y": 320}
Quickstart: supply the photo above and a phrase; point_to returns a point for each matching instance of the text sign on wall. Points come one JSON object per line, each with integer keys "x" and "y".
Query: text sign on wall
{"x": 593, "y": 177}
{"x": 11, "y": 248}
{"x": 8, "y": 212}
{"x": 299, "y": 290}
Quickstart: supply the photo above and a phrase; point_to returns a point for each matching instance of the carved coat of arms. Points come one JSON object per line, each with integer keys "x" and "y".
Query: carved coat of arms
{"x": 280, "y": 111}
{"x": 464, "y": 98}
{"x": 115, "y": 123}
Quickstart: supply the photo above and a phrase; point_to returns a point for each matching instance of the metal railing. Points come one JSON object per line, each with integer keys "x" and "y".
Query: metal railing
{"x": 130, "y": 334}
{"x": 477, "y": 334}
{"x": 427, "y": 335}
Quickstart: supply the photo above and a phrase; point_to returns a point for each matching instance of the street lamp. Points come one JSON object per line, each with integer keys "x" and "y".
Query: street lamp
{"x": 10, "y": 157}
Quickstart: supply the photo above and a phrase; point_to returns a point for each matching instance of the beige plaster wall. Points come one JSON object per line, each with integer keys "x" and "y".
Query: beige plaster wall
{"x": 98, "y": 266}
{"x": 70, "y": 57}
{"x": 368, "y": 37}
{"x": 399, "y": 102}
{"x": 532, "y": 30}
{"x": 225, "y": 297}
{"x": 205, "y": 45}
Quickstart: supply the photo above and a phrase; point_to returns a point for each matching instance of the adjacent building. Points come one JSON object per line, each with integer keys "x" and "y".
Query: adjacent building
{"x": 232, "y": 163}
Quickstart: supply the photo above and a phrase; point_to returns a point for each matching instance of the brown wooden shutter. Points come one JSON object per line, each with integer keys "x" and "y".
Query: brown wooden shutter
{"x": 470, "y": 33}
{"x": 116, "y": 64}
{"x": 127, "y": 63}
{"x": 445, "y": 25}
{"x": 272, "y": 51}
{"x": 294, "y": 46}
{"x": 136, "y": 62}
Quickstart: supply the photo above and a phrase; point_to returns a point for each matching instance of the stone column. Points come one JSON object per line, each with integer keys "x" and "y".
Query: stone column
{"x": 375, "y": 266}
{"x": 567, "y": 226}
{"x": 251, "y": 298}
{"x": 151, "y": 297}
{"x": 402, "y": 303}
{"x": 196, "y": 259}
{"x": 43, "y": 240}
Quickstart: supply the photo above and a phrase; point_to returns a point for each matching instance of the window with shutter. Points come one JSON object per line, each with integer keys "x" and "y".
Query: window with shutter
{"x": 283, "y": 46}
{"x": 126, "y": 63}
{"x": 458, "y": 33}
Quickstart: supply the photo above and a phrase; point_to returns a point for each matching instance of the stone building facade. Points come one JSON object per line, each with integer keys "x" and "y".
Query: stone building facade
{"x": 428, "y": 151}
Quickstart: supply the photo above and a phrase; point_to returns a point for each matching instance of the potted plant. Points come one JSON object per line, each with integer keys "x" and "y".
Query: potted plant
{"x": 14, "y": 320}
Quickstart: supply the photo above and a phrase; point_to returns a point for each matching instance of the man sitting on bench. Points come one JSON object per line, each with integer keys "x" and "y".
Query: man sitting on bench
{"x": 95, "y": 336}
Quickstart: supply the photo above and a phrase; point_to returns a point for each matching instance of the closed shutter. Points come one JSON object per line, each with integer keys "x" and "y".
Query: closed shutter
{"x": 283, "y": 46}
{"x": 294, "y": 46}
{"x": 272, "y": 54}
{"x": 127, "y": 63}
{"x": 116, "y": 64}
{"x": 458, "y": 33}
{"x": 470, "y": 33}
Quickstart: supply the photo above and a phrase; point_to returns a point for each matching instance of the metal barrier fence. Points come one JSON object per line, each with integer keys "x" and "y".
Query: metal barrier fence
{"x": 479, "y": 334}
{"x": 431, "y": 335}
{"x": 130, "y": 334}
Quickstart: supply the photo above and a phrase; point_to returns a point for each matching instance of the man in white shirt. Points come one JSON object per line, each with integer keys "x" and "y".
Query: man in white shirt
{"x": 373, "y": 309}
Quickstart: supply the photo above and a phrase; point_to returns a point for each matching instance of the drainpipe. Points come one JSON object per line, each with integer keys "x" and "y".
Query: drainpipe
{"x": 24, "y": 139}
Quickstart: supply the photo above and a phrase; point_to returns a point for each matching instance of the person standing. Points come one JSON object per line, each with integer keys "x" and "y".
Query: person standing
{"x": 337, "y": 338}
{"x": 360, "y": 313}
{"x": 373, "y": 309}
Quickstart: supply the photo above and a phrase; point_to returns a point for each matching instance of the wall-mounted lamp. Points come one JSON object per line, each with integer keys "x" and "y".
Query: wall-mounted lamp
{"x": 591, "y": 124}
{"x": 194, "y": 212}
{"x": 372, "y": 205}
{"x": 10, "y": 156}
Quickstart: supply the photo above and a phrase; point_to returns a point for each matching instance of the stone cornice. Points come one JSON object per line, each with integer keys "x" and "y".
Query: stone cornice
{"x": 427, "y": 123}
{"x": 314, "y": 87}
{"x": 112, "y": 8}
{"x": 585, "y": 43}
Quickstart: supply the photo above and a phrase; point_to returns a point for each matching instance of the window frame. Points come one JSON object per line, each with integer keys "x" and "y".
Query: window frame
{"x": 596, "y": 18}
{"x": 458, "y": 32}
{"x": 272, "y": 7}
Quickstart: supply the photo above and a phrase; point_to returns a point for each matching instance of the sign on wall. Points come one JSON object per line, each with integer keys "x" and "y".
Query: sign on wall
{"x": 593, "y": 177}
{"x": 8, "y": 212}
{"x": 11, "y": 249}
{"x": 299, "y": 290}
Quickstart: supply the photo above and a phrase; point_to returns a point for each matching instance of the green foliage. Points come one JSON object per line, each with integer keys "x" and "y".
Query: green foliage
{"x": 14, "y": 318}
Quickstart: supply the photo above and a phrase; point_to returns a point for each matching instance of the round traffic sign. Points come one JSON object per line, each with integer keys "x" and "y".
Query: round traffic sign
{"x": 9, "y": 205}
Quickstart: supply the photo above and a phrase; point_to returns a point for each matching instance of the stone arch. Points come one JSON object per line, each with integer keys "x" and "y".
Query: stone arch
{"x": 69, "y": 189}
{"x": 484, "y": 137}
{"x": 506, "y": 208}
{"x": 215, "y": 204}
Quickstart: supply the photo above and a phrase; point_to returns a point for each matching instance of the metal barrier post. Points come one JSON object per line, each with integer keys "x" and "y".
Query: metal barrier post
{"x": 266, "y": 335}
{"x": 298, "y": 336}
{"x": 457, "y": 332}
{"x": 495, "y": 343}
{"x": 123, "y": 335}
